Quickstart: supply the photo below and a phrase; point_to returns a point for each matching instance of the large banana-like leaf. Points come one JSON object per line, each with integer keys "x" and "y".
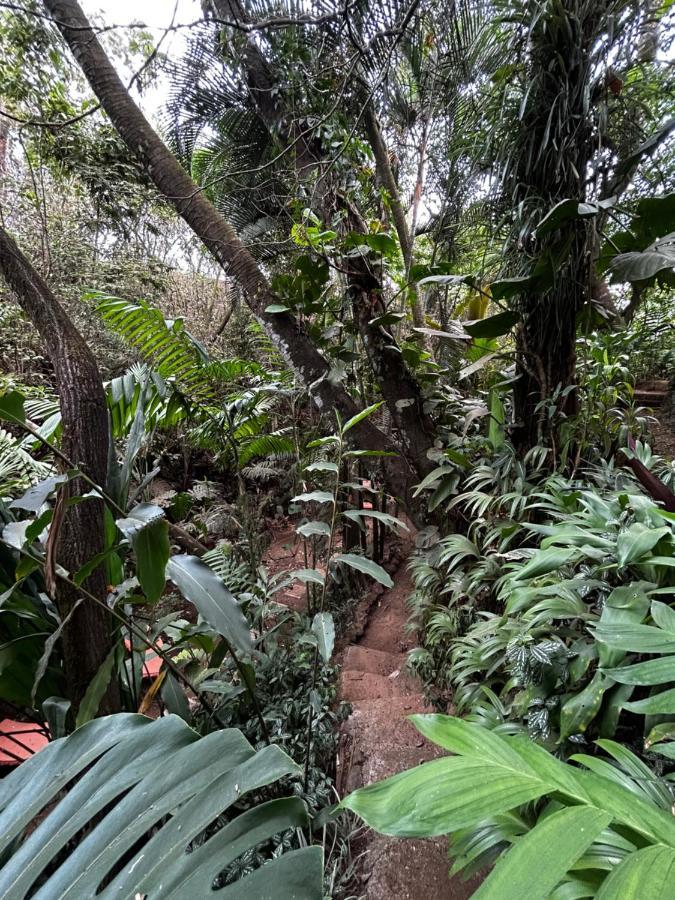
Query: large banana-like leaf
{"x": 492, "y": 774}
{"x": 125, "y": 806}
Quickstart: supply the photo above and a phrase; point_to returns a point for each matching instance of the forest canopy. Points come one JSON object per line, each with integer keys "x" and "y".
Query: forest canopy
{"x": 337, "y": 387}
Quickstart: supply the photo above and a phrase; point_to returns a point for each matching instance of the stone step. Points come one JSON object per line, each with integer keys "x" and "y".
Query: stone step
{"x": 367, "y": 659}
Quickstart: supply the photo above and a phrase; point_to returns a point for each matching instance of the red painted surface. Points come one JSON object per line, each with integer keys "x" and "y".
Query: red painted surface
{"x": 18, "y": 741}
{"x": 153, "y": 663}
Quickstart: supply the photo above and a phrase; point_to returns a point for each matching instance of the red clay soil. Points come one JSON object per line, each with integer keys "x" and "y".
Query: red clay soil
{"x": 377, "y": 742}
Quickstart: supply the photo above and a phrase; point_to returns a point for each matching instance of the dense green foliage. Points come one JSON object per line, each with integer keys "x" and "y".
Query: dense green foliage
{"x": 442, "y": 319}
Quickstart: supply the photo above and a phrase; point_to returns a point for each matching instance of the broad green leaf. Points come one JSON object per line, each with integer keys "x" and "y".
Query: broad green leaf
{"x": 652, "y": 671}
{"x": 148, "y": 533}
{"x": 357, "y": 514}
{"x": 365, "y": 565}
{"x": 277, "y": 308}
{"x": 625, "y": 605}
{"x": 545, "y": 561}
{"x": 663, "y": 615}
{"x": 37, "y": 495}
{"x": 55, "y": 711}
{"x": 360, "y": 416}
{"x": 441, "y": 796}
{"x": 296, "y": 875}
{"x": 648, "y": 874}
{"x": 644, "y": 265}
{"x": 363, "y": 453}
{"x": 198, "y": 584}
{"x": 492, "y": 326}
{"x": 174, "y": 697}
{"x": 667, "y": 750}
{"x": 96, "y": 690}
{"x": 143, "y": 791}
{"x": 50, "y": 643}
{"x": 309, "y": 529}
{"x": 311, "y": 575}
{"x": 636, "y": 541}
{"x": 662, "y": 732}
{"x": 323, "y": 627}
{"x": 579, "y": 711}
{"x": 430, "y": 480}
{"x": 11, "y": 407}
{"x": 322, "y": 465}
{"x": 314, "y": 497}
{"x": 636, "y": 638}
{"x": 549, "y": 850}
{"x": 388, "y": 318}
{"x": 658, "y": 704}
{"x": 567, "y": 211}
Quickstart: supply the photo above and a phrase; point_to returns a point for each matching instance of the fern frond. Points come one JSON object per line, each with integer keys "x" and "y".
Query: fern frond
{"x": 171, "y": 351}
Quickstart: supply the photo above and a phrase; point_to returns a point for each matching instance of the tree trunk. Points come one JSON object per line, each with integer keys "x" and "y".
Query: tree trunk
{"x": 215, "y": 232}
{"x": 546, "y": 348}
{"x": 88, "y": 636}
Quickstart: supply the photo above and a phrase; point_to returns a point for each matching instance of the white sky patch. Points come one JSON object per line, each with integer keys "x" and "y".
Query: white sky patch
{"x": 157, "y": 15}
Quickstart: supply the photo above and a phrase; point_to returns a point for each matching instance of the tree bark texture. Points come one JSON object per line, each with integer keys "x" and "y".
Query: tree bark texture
{"x": 216, "y": 233}
{"x": 88, "y": 637}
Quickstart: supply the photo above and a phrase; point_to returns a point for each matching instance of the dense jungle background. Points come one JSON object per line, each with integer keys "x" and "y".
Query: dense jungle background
{"x": 337, "y": 437}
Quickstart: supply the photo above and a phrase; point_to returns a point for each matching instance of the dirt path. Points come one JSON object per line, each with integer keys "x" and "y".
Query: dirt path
{"x": 377, "y": 741}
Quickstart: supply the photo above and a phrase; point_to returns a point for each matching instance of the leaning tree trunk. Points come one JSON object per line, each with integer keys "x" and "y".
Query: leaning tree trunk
{"x": 217, "y": 234}
{"x": 88, "y": 636}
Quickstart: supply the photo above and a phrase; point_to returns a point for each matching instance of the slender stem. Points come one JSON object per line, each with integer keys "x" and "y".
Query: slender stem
{"x": 251, "y": 692}
{"x": 322, "y": 603}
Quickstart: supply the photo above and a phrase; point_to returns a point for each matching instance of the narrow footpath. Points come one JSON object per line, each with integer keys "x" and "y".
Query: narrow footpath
{"x": 377, "y": 742}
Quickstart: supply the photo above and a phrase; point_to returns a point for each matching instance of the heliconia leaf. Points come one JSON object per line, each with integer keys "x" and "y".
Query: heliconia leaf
{"x": 365, "y": 565}
{"x": 148, "y": 533}
{"x": 648, "y": 873}
{"x": 322, "y": 465}
{"x": 311, "y": 575}
{"x": 37, "y": 495}
{"x": 202, "y": 587}
{"x": 313, "y": 497}
{"x": 309, "y": 529}
{"x": 323, "y": 627}
{"x": 357, "y": 514}
{"x": 492, "y": 326}
{"x": 550, "y": 849}
{"x": 359, "y": 417}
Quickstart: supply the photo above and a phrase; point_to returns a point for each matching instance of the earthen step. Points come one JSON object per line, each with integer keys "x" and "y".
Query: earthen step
{"x": 413, "y": 870}
{"x": 650, "y": 398}
{"x": 367, "y": 659}
{"x": 357, "y": 685}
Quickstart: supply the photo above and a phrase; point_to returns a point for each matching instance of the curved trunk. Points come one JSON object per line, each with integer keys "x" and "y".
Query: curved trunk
{"x": 88, "y": 636}
{"x": 216, "y": 233}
